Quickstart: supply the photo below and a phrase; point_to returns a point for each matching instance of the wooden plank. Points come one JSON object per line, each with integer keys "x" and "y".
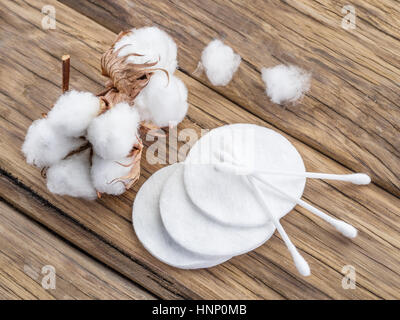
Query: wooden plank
{"x": 265, "y": 273}
{"x": 39, "y": 209}
{"x": 76, "y": 275}
{"x": 351, "y": 113}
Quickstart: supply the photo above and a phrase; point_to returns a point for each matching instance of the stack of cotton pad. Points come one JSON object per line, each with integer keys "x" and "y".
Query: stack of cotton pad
{"x": 191, "y": 215}
{"x": 152, "y": 233}
{"x": 226, "y": 199}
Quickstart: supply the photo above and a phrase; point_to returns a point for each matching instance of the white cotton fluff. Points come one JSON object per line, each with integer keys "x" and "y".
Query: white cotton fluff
{"x": 71, "y": 177}
{"x": 105, "y": 173}
{"x": 73, "y": 112}
{"x": 163, "y": 102}
{"x": 45, "y": 146}
{"x": 114, "y": 133}
{"x": 285, "y": 83}
{"x": 219, "y": 62}
{"x": 153, "y": 44}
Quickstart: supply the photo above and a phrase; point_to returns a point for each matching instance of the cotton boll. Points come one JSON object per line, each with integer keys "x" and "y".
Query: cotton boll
{"x": 163, "y": 102}
{"x": 105, "y": 173}
{"x": 71, "y": 177}
{"x": 285, "y": 83}
{"x": 219, "y": 62}
{"x": 153, "y": 44}
{"x": 44, "y": 146}
{"x": 73, "y": 112}
{"x": 114, "y": 133}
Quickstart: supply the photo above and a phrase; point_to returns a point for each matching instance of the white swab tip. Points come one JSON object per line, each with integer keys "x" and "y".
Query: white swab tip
{"x": 224, "y": 154}
{"x": 346, "y": 229}
{"x": 224, "y": 167}
{"x": 301, "y": 265}
{"x": 231, "y": 168}
{"x": 360, "y": 178}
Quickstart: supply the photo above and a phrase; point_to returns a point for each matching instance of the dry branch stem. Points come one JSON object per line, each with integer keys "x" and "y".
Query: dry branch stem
{"x": 65, "y": 72}
{"x": 83, "y": 147}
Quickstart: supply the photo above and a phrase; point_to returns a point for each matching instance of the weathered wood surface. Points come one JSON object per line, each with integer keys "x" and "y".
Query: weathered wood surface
{"x": 27, "y": 247}
{"x": 103, "y": 228}
{"x": 352, "y": 112}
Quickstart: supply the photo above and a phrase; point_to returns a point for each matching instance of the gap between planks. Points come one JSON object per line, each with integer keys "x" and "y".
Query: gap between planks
{"x": 77, "y": 276}
{"x": 73, "y": 233}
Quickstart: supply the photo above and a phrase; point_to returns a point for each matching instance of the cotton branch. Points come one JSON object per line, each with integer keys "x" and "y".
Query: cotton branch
{"x": 65, "y": 72}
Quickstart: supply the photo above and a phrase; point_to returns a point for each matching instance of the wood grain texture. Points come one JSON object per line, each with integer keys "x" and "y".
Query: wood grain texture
{"x": 351, "y": 113}
{"x": 266, "y": 273}
{"x": 22, "y": 198}
{"x": 26, "y": 248}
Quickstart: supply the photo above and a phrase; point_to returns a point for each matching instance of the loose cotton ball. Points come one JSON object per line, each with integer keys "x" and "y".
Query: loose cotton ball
{"x": 45, "y": 146}
{"x": 219, "y": 62}
{"x": 285, "y": 83}
{"x": 114, "y": 133}
{"x": 71, "y": 177}
{"x": 73, "y": 112}
{"x": 153, "y": 44}
{"x": 163, "y": 102}
{"x": 105, "y": 174}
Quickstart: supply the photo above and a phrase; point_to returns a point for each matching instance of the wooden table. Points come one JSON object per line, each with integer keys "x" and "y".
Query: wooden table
{"x": 349, "y": 121}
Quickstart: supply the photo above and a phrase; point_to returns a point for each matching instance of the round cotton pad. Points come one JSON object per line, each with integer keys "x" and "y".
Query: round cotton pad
{"x": 151, "y": 232}
{"x": 229, "y": 198}
{"x": 193, "y": 230}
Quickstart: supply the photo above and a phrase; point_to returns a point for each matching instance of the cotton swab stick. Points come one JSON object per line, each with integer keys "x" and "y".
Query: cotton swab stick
{"x": 343, "y": 227}
{"x": 356, "y": 178}
{"x": 300, "y": 263}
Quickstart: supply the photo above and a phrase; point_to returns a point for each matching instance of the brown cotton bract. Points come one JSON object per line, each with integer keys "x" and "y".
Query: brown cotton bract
{"x": 126, "y": 79}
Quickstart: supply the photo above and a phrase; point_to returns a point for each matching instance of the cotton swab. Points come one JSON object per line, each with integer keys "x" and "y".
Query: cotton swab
{"x": 300, "y": 263}
{"x": 356, "y": 178}
{"x": 343, "y": 227}
{"x": 234, "y": 168}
